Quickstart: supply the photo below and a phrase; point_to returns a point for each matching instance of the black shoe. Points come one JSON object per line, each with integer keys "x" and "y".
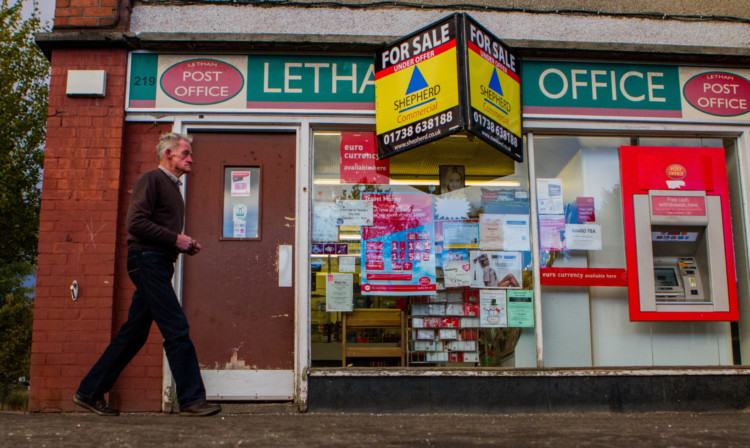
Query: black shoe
{"x": 202, "y": 409}
{"x": 98, "y": 407}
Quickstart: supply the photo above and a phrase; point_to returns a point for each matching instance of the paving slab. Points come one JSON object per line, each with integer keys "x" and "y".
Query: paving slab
{"x": 278, "y": 427}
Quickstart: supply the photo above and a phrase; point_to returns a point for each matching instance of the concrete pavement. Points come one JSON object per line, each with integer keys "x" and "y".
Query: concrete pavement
{"x": 275, "y": 426}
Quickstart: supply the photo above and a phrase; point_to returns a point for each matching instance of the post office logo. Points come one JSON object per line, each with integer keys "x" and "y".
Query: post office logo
{"x": 719, "y": 93}
{"x": 676, "y": 171}
{"x": 202, "y": 81}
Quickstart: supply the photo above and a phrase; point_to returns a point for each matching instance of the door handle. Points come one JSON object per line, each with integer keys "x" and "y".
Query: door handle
{"x": 285, "y": 265}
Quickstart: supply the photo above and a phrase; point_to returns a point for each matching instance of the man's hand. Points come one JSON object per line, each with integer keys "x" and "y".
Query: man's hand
{"x": 195, "y": 249}
{"x": 186, "y": 244}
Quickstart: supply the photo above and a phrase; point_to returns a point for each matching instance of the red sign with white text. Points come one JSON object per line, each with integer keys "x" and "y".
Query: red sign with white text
{"x": 584, "y": 277}
{"x": 202, "y": 81}
{"x": 719, "y": 93}
{"x": 678, "y": 205}
{"x": 359, "y": 160}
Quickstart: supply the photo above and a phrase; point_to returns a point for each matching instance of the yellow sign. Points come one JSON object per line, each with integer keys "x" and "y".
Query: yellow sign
{"x": 417, "y": 92}
{"x": 449, "y": 77}
{"x": 495, "y": 93}
{"x": 417, "y": 89}
{"x": 494, "y": 90}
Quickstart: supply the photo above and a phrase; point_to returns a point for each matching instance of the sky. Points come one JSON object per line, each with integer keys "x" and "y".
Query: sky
{"x": 46, "y": 8}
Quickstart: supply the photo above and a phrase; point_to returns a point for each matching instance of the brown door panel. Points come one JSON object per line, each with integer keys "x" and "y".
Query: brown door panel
{"x": 240, "y": 318}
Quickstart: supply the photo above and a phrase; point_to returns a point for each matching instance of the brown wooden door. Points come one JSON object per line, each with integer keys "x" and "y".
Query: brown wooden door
{"x": 241, "y": 320}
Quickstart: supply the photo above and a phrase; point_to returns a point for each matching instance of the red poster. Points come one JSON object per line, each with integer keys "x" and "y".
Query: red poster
{"x": 584, "y": 277}
{"x": 359, "y": 160}
{"x": 678, "y": 205}
{"x": 586, "y": 211}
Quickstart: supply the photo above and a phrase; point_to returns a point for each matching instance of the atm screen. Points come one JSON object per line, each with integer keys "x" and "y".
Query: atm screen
{"x": 665, "y": 277}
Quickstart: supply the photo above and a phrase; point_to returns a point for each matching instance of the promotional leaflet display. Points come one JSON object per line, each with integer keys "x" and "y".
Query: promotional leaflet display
{"x": 398, "y": 251}
{"x": 452, "y": 76}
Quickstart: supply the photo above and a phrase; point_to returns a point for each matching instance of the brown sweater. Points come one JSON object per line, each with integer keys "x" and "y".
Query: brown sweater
{"x": 156, "y": 213}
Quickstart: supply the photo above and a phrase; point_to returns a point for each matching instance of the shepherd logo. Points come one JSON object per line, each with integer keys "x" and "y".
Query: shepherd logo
{"x": 493, "y": 94}
{"x": 418, "y": 93}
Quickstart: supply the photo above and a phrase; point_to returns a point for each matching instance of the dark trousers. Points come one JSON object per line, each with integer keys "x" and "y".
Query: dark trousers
{"x": 154, "y": 300}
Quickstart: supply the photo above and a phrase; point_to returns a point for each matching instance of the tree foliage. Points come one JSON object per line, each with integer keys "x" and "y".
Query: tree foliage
{"x": 23, "y": 115}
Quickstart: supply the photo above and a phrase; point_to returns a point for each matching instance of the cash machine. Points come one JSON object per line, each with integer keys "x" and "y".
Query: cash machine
{"x": 678, "y": 236}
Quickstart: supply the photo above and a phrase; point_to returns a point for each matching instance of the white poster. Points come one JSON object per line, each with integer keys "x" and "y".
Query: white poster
{"x": 354, "y": 213}
{"x": 516, "y": 232}
{"x": 339, "y": 292}
{"x": 549, "y": 196}
{"x": 324, "y": 222}
{"x": 583, "y": 236}
{"x": 493, "y": 311}
{"x": 495, "y": 269}
{"x": 491, "y": 234}
{"x": 456, "y": 274}
{"x": 347, "y": 264}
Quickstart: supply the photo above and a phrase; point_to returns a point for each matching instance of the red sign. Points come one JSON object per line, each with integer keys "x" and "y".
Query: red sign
{"x": 719, "y": 93}
{"x": 584, "y": 277}
{"x": 678, "y": 205}
{"x": 202, "y": 81}
{"x": 586, "y": 209}
{"x": 359, "y": 160}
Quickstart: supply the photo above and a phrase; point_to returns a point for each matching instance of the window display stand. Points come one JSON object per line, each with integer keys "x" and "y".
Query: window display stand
{"x": 361, "y": 319}
{"x": 445, "y": 328}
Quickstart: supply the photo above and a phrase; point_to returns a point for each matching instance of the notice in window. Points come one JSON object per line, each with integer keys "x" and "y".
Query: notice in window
{"x": 586, "y": 209}
{"x": 583, "y": 236}
{"x": 549, "y": 196}
{"x": 520, "y": 308}
{"x": 324, "y": 226}
{"x": 240, "y": 183}
{"x": 460, "y": 234}
{"x": 354, "y": 213}
{"x": 552, "y": 232}
{"x": 504, "y": 232}
{"x": 347, "y": 264}
{"x": 456, "y": 268}
{"x": 398, "y": 250}
{"x": 339, "y": 292}
{"x": 359, "y": 160}
{"x": 493, "y": 312}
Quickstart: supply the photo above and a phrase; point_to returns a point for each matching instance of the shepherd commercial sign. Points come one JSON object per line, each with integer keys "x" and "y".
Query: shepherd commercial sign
{"x": 449, "y": 77}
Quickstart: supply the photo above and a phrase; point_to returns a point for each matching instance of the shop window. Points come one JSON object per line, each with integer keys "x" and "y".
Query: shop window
{"x": 588, "y": 325}
{"x": 440, "y": 232}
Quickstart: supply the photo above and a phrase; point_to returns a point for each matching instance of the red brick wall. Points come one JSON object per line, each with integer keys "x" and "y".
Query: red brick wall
{"x": 105, "y": 14}
{"x": 78, "y": 228}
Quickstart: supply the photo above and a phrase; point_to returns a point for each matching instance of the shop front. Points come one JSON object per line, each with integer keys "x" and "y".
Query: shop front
{"x": 452, "y": 269}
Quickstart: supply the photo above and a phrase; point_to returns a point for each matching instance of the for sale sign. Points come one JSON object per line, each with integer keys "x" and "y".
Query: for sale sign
{"x": 494, "y": 89}
{"x": 449, "y": 77}
{"x": 417, "y": 89}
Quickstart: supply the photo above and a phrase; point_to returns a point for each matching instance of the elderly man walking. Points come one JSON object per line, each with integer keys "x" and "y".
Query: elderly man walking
{"x": 155, "y": 223}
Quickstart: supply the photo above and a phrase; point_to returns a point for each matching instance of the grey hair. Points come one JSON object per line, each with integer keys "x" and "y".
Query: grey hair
{"x": 170, "y": 141}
